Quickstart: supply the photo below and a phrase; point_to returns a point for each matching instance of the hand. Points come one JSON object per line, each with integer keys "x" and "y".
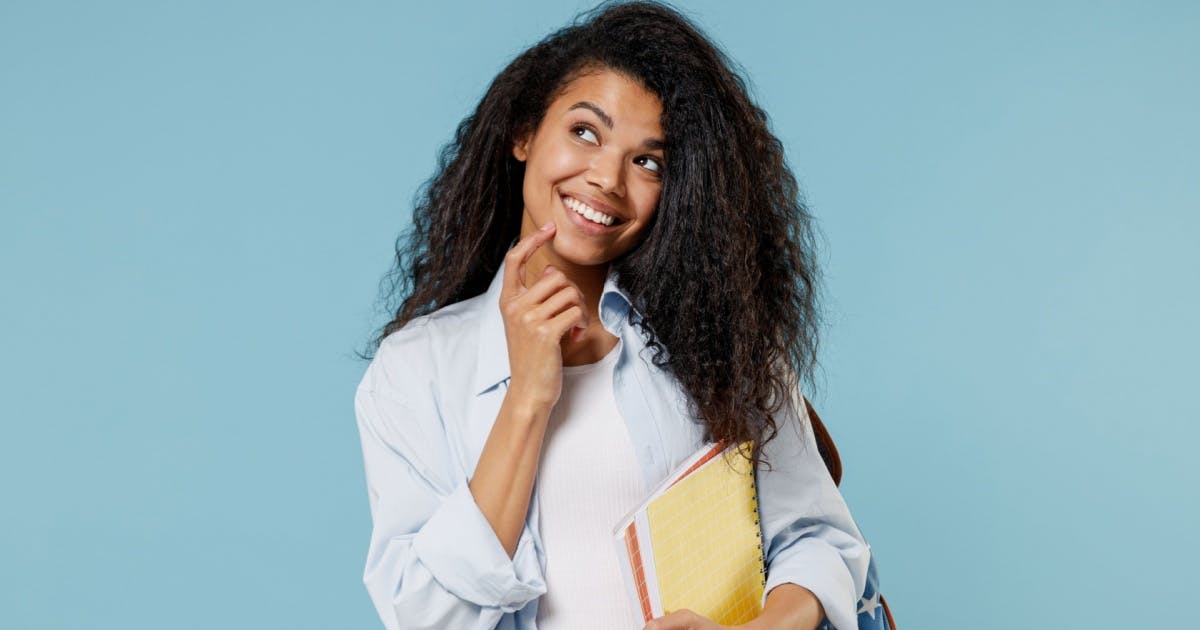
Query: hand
{"x": 684, "y": 619}
{"x": 535, "y": 320}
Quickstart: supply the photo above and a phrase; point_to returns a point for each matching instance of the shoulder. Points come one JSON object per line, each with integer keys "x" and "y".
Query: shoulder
{"x": 406, "y": 396}
{"x": 412, "y": 358}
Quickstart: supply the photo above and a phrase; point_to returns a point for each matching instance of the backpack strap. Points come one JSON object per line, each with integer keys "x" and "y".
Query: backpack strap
{"x": 825, "y": 444}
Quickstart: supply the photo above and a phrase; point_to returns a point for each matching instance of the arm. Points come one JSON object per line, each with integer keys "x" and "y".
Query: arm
{"x": 503, "y": 481}
{"x": 810, "y": 538}
{"x": 434, "y": 559}
{"x": 789, "y": 607}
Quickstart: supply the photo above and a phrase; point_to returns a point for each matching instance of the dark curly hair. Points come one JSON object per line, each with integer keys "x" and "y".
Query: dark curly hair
{"x": 730, "y": 252}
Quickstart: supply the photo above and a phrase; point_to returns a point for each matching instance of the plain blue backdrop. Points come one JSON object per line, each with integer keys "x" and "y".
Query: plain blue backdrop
{"x": 199, "y": 200}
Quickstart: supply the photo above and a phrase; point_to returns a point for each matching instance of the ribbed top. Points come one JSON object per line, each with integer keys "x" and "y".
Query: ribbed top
{"x": 588, "y": 478}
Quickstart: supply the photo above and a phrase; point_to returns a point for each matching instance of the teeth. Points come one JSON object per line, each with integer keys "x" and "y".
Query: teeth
{"x": 587, "y": 211}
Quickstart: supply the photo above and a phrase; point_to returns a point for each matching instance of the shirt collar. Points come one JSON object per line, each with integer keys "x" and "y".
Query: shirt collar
{"x": 491, "y": 367}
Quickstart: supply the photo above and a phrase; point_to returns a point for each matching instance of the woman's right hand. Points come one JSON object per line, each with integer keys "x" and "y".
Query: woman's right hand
{"x": 535, "y": 320}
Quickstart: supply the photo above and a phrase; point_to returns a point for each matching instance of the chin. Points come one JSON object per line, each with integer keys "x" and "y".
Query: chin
{"x": 580, "y": 255}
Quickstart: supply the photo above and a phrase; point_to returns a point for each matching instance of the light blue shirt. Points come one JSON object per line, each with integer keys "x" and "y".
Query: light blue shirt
{"x": 425, "y": 407}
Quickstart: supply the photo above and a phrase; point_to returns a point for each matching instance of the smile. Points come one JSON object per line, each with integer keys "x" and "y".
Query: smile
{"x": 588, "y": 212}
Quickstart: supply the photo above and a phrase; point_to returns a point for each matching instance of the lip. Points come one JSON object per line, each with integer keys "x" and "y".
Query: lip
{"x": 584, "y": 225}
{"x": 597, "y": 204}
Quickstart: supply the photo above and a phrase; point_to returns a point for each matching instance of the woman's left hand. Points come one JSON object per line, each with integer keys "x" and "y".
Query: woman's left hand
{"x": 684, "y": 619}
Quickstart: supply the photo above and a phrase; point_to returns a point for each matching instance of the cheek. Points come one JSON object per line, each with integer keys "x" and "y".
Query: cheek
{"x": 558, "y": 161}
{"x": 646, "y": 201}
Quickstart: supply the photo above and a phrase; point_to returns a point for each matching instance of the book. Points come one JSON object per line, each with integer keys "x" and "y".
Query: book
{"x": 696, "y": 542}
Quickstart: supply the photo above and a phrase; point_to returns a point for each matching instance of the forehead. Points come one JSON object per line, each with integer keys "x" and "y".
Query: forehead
{"x": 630, "y": 105}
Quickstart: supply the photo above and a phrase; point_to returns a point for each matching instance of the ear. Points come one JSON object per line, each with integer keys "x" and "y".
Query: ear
{"x": 521, "y": 148}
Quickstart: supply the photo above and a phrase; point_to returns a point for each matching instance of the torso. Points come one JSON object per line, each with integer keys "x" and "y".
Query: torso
{"x": 588, "y": 479}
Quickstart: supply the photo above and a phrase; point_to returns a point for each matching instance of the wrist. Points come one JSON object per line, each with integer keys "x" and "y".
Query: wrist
{"x": 525, "y": 407}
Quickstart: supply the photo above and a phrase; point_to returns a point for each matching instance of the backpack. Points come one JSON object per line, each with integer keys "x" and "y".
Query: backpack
{"x": 870, "y": 617}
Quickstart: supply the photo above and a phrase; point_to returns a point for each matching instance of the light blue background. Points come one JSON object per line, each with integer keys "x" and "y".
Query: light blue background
{"x": 199, "y": 200}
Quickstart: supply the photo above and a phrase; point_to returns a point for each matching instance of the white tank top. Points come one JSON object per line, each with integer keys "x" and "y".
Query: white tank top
{"x": 588, "y": 478}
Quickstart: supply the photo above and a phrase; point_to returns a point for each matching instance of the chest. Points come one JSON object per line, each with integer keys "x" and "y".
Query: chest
{"x": 649, "y": 401}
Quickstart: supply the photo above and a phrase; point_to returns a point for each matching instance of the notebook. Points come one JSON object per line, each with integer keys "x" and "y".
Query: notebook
{"x": 695, "y": 542}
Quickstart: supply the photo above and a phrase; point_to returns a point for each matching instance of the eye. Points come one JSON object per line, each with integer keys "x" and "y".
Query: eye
{"x": 658, "y": 167}
{"x": 575, "y": 130}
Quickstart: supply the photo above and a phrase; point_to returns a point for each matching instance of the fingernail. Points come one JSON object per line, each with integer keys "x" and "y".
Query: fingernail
{"x": 547, "y": 226}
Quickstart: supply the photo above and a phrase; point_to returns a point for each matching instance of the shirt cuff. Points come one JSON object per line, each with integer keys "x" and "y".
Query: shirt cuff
{"x": 461, "y": 550}
{"x": 820, "y": 568}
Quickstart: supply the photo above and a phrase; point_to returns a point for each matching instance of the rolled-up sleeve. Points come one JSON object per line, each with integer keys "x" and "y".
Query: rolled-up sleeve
{"x": 434, "y": 561}
{"x": 809, "y": 535}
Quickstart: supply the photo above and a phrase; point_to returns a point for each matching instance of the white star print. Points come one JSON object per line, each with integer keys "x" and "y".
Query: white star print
{"x": 868, "y": 605}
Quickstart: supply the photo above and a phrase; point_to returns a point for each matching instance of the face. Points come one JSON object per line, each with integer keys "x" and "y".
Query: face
{"x": 599, "y": 148}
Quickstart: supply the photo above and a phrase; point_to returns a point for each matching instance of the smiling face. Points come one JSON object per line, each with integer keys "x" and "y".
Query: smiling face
{"x": 599, "y": 147}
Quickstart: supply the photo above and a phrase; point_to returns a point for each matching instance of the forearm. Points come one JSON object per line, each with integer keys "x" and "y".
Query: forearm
{"x": 434, "y": 557}
{"x": 788, "y": 607}
{"x": 503, "y": 479}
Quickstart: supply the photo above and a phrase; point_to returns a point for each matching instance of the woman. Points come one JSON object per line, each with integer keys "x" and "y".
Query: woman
{"x": 611, "y": 267}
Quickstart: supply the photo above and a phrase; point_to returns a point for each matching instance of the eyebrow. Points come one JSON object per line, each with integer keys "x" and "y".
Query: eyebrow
{"x": 648, "y": 143}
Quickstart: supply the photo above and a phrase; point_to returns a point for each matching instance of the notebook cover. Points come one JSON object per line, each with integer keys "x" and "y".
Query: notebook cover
{"x": 697, "y": 544}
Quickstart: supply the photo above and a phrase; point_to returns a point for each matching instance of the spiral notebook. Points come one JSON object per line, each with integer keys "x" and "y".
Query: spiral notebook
{"x": 695, "y": 542}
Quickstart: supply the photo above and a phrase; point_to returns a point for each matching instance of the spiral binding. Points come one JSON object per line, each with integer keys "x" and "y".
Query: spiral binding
{"x": 758, "y": 528}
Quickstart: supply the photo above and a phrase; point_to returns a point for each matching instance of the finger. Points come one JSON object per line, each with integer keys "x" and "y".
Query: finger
{"x": 564, "y": 321}
{"x": 667, "y": 622}
{"x": 682, "y": 619}
{"x": 560, "y": 301}
{"x": 550, "y": 282}
{"x": 564, "y": 294}
{"x": 514, "y": 260}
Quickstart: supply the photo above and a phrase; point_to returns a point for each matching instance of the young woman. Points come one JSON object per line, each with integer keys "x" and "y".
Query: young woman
{"x": 611, "y": 267}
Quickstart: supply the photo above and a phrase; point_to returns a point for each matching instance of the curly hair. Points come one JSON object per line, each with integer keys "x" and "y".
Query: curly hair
{"x": 730, "y": 252}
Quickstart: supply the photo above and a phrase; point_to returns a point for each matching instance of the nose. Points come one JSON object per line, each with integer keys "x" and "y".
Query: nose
{"x": 607, "y": 173}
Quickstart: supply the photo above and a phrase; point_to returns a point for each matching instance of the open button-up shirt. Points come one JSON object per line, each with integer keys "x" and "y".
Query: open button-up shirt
{"x": 425, "y": 407}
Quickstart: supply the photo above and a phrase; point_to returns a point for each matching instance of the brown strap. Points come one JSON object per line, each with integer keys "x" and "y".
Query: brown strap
{"x": 887, "y": 611}
{"x": 825, "y": 444}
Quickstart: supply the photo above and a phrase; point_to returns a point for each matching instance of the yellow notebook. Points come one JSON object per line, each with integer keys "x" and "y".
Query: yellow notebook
{"x": 696, "y": 543}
